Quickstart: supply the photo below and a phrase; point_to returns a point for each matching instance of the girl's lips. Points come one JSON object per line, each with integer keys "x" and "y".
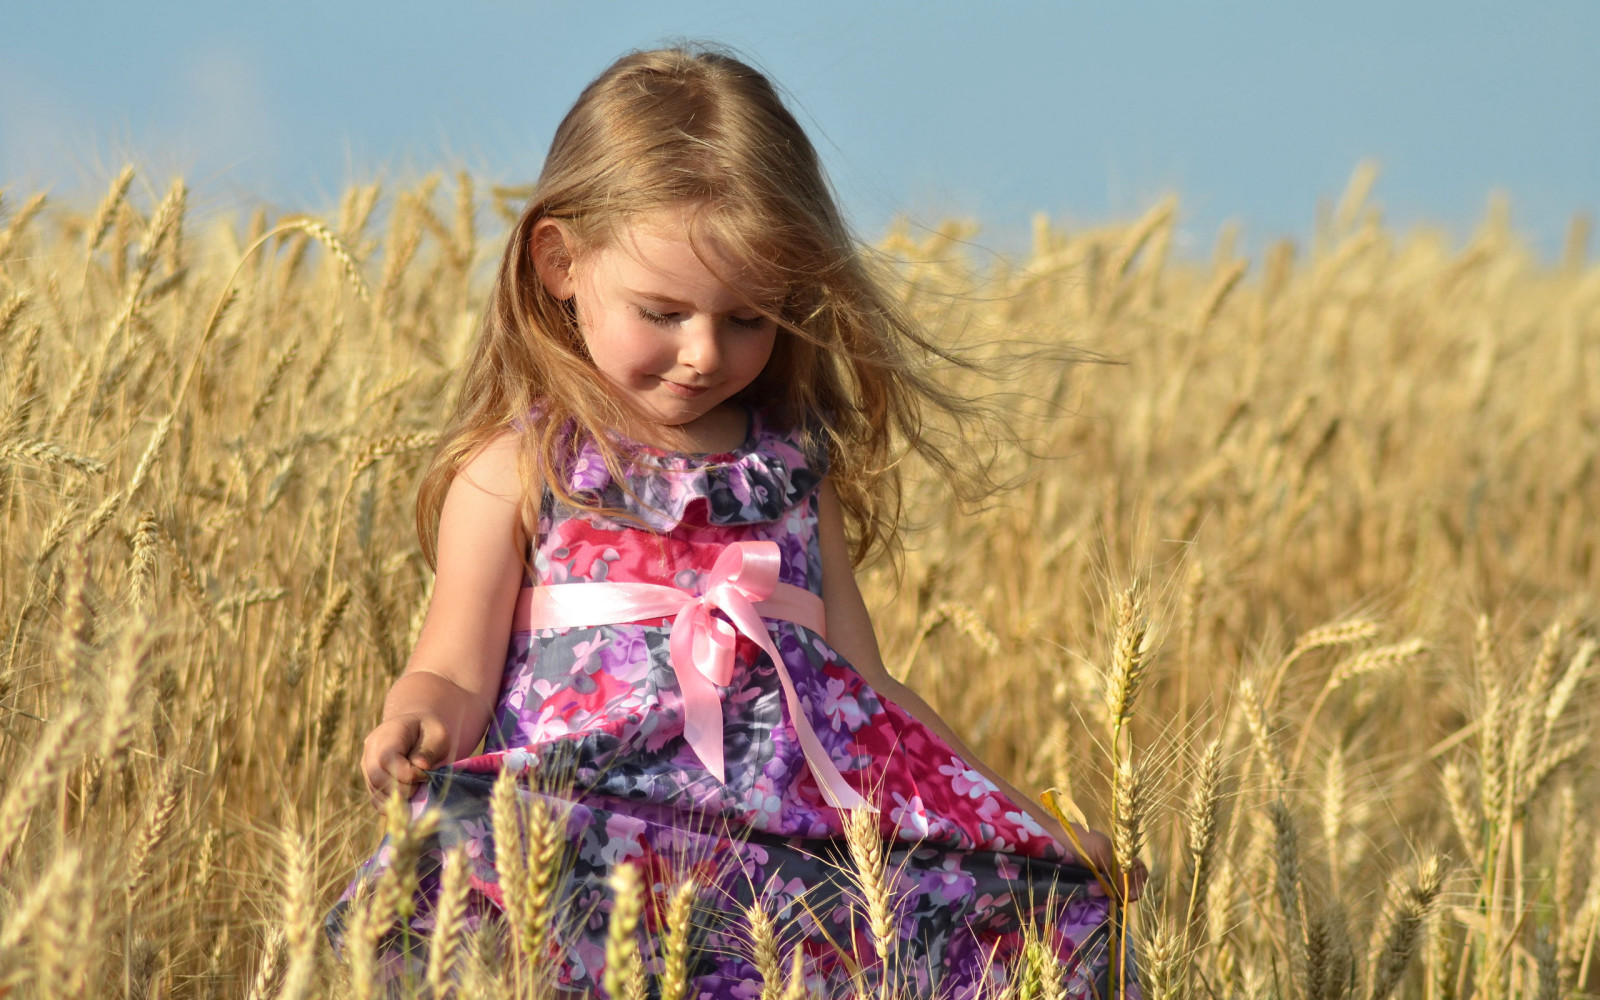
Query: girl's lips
{"x": 687, "y": 391}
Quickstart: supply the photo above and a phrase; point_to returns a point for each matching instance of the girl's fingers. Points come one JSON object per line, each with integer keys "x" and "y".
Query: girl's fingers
{"x": 392, "y": 769}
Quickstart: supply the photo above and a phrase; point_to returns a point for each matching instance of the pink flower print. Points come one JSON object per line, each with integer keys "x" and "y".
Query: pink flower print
{"x": 518, "y": 761}
{"x": 795, "y": 523}
{"x": 590, "y": 901}
{"x": 949, "y": 882}
{"x": 629, "y": 647}
{"x": 517, "y": 694}
{"x": 910, "y": 816}
{"x": 584, "y": 651}
{"x": 765, "y": 810}
{"x": 588, "y": 472}
{"x": 842, "y": 708}
{"x": 477, "y": 832}
{"x": 966, "y": 781}
{"x": 989, "y": 810}
{"x": 1005, "y": 868}
{"x": 600, "y": 569}
{"x": 622, "y": 840}
{"x": 549, "y": 725}
{"x": 1027, "y": 826}
{"x": 687, "y": 579}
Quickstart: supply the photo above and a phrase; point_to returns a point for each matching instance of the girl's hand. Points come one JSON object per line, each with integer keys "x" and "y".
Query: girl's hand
{"x": 398, "y": 751}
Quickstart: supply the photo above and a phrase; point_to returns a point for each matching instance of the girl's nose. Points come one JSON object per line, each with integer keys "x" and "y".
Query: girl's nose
{"x": 699, "y": 349}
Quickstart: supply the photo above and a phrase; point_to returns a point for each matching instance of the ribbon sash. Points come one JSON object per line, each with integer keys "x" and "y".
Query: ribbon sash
{"x": 744, "y": 586}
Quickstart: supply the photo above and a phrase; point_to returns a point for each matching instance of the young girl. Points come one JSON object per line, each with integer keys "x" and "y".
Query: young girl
{"x": 680, "y": 409}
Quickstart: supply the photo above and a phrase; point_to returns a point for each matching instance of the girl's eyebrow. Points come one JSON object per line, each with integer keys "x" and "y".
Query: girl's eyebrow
{"x": 664, "y": 299}
{"x": 654, "y": 297}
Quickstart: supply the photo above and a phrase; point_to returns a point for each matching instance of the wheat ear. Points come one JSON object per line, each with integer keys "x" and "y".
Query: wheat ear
{"x": 1127, "y": 661}
{"x": 624, "y": 975}
{"x": 45, "y": 453}
{"x": 764, "y": 950}
{"x": 871, "y": 876}
{"x": 100, "y": 222}
{"x": 675, "y": 940}
{"x": 54, "y": 753}
{"x": 1205, "y": 808}
{"x": 1410, "y": 900}
{"x": 449, "y": 920}
{"x": 299, "y": 915}
{"x": 22, "y": 917}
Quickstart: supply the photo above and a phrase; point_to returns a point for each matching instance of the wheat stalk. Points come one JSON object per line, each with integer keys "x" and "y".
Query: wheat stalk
{"x": 270, "y": 968}
{"x": 106, "y": 211}
{"x": 794, "y": 988}
{"x": 1127, "y": 661}
{"x": 870, "y": 873}
{"x": 675, "y": 939}
{"x": 1205, "y": 807}
{"x": 319, "y": 231}
{"x": 22, "y": 917}
{"x": 624, "y": 975}
{"x": 63, "y": 941}
{"x": 764, "y": 950}
{"x": 19, "y": 222}
{"x": 15, "y": 302}
{"x": 152, "y": 451}
{"x": 299, "y": 915}
{"x": 45, "y": 453}
{"x": 141, "y": 572}
{"x": 1411, "y": 898}
{"x": 53, "y": 755}
{"x": 1163, "y": 963}
{"x": 1561, "y": 694}
{"x": 1461, "y": 815}
{"x": 449, "y": 919}
{"x": 157, "y": 816}
{"x": 1335, "y": 797}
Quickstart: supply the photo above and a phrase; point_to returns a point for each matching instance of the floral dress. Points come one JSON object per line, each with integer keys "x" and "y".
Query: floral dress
{"x": 972, "y": 876}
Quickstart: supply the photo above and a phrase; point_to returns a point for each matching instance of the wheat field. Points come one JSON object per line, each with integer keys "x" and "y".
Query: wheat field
{"x": 1296, "y": 596}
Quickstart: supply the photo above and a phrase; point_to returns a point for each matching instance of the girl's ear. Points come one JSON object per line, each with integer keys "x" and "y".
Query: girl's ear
{"x": 552, "y": 257}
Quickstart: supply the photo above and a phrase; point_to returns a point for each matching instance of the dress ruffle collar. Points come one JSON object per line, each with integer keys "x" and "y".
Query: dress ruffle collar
{"x": 759, "y": 481}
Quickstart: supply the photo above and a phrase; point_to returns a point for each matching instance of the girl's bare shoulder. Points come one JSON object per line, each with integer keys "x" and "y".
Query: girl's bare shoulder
{"x": 492, "y": 469}
{"x": 483, "y": 503}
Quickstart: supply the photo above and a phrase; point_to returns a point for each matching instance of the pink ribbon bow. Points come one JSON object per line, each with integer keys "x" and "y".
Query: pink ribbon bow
{"x": 744, "y": 586}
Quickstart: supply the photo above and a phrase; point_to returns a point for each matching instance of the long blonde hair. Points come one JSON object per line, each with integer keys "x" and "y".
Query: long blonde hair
{"x": 695, "y": 126}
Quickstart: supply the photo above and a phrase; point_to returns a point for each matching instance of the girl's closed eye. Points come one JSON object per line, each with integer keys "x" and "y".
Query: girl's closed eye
{"x": 755, "y": 322}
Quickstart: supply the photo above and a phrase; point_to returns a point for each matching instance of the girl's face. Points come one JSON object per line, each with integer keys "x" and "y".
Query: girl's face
{"x": 672, "y": 339}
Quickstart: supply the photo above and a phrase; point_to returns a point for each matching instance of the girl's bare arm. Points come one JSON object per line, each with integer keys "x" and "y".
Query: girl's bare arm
{"x": 439, "y": 708}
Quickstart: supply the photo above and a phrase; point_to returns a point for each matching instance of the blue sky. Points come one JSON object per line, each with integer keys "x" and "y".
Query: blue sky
{"x": 1251, "y": 112}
